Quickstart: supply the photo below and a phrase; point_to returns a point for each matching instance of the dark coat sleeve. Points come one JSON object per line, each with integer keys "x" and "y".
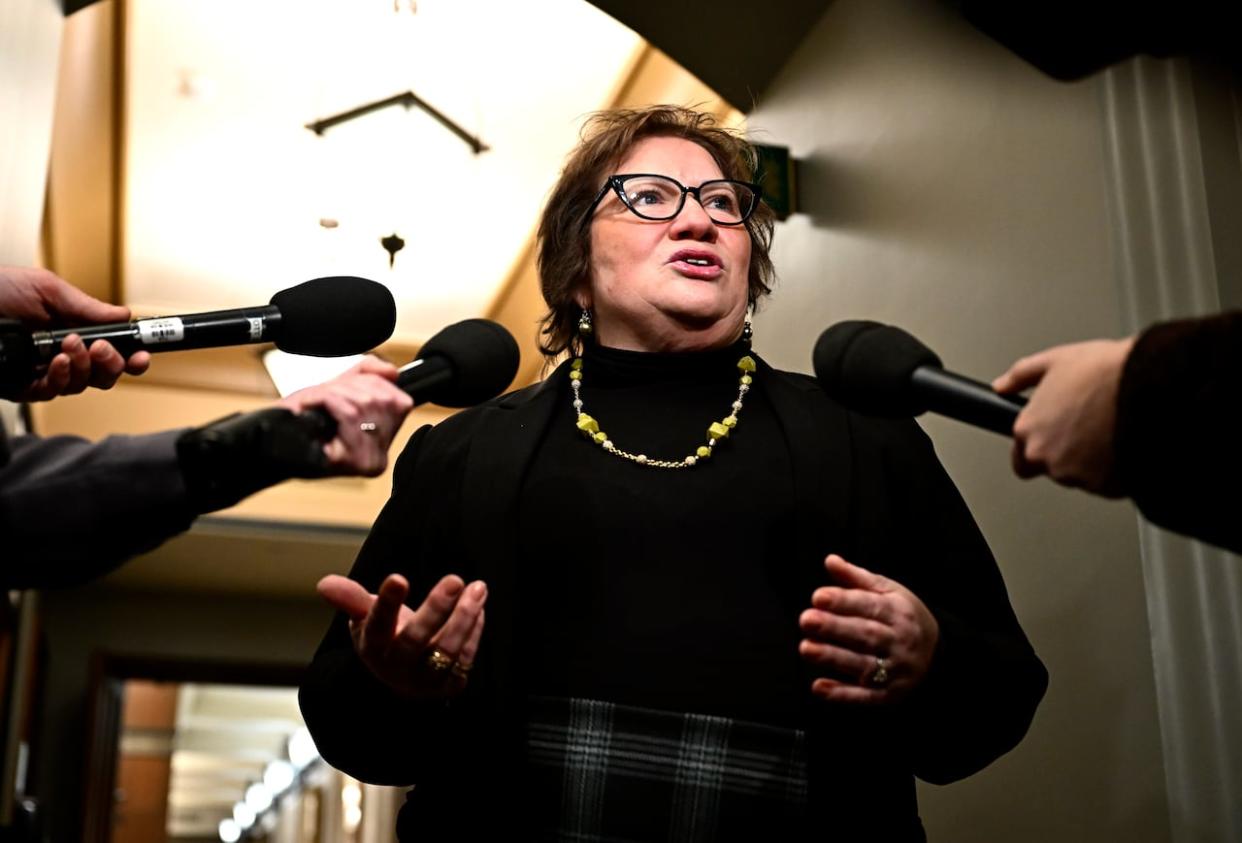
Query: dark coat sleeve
{"x": 359, "y": 724}
{"x": 985, "y": 681}
{"x": 1176, "y": 444}
{"x": 72, "y": 510}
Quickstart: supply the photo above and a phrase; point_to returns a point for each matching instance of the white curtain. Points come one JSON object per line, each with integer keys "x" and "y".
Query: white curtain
{"x": 1172, "y": 178}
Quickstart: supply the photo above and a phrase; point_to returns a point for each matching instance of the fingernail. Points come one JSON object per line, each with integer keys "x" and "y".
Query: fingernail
{"x": 454, "y": 588}
{"x": 478, "y": 590}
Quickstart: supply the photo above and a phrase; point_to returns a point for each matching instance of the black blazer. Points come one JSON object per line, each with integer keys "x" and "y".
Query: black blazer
{"x": 871, "y": 490}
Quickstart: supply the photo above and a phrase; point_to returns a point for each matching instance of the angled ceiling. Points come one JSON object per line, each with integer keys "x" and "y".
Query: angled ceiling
{"x": 230, "y": 197}
{"x": 735, "y": 46}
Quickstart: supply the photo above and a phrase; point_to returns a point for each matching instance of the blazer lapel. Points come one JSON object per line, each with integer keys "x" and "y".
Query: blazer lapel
{"x": 505, "y": 442}
{"x": 820, "y": 448}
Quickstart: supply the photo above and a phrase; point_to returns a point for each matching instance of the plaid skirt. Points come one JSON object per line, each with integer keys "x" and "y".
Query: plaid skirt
{"x": 607, "y": 772}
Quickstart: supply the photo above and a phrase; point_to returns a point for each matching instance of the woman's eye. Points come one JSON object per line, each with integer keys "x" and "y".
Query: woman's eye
{"x": 722, "y": 202}
{"x": 647, "y": 197}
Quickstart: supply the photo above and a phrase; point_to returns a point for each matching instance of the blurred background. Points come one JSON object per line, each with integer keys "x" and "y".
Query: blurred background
{"x": 184, "y": 156}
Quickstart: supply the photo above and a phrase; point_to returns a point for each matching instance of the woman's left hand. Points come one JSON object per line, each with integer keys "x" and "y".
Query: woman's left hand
{"x": 872, "y": 634}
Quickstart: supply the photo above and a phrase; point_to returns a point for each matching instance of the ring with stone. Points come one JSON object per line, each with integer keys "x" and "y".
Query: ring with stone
{"x": 438, "y": 660}
{"x": 879, "y": 676}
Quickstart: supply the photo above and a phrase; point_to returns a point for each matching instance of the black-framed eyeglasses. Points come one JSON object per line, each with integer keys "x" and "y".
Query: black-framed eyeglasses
{"x": 656, "y": 197}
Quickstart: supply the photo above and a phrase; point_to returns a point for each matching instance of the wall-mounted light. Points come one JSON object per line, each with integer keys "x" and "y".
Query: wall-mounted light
{"x": 778, "y": 176}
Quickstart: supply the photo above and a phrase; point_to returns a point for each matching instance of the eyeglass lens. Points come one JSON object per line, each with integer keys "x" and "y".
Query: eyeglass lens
{"x": 660, "y": 198}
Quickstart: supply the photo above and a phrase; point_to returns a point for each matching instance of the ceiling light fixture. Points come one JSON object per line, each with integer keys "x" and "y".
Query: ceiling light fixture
{"x": 258, "y": 798}
{"x": 392, "y": 244}
{"x": 278, "y": 776}
{"x": 302, "y": 749}
{"x": 243, "y": 815}
{"x": 407, "y": 99}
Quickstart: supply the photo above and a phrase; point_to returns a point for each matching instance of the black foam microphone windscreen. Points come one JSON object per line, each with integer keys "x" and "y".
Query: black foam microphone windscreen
{"x": 335, "y": 316}
{"x": 868, "y": 366}
{"x": 483, "y": 356}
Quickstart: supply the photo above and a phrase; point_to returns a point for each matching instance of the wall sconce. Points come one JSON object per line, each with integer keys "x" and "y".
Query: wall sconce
{"x": 778, "y": 176}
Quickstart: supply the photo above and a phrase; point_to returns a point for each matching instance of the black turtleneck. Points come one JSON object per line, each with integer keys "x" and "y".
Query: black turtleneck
{"x": 658, "y": 587}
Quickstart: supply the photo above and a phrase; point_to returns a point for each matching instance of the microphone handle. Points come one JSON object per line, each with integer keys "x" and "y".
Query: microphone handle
{"x": 419, "y": 378}
{"x": 170, "y": 333}
{"x": 966, "y": 400}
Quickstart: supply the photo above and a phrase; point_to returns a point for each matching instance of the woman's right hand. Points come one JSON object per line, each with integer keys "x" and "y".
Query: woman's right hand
{"x": 421, "y": 654}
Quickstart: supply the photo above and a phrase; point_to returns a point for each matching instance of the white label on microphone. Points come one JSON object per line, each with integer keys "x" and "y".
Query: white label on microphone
{"x": 256, "y": 328}
{"x": 156, "y": 331}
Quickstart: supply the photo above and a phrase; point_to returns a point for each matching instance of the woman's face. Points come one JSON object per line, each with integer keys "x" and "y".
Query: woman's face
{"x": 679, "y": 284}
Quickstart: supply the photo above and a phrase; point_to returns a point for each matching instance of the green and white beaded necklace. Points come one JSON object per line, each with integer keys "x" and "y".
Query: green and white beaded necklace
{"x": 715, "y": 432}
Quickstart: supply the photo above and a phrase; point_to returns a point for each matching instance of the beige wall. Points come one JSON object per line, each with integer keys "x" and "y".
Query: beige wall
{"x": 956, "y": 192}
{"x": 29, "y": 48}
{"x": 81, "y": 239}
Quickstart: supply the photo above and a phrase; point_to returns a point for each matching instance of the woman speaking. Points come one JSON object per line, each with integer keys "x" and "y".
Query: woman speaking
{"x": 718, "y": 605}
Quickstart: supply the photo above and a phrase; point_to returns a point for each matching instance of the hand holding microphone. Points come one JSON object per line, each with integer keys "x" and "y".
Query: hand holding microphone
{"x": 39, "y": 297}
{"x": 464, "y": 364}
{"x": 1066, "y": 429}
{"x": 344, "y": 426}
{"x": 367, "y": 408}
{"x": 325, "y": 317}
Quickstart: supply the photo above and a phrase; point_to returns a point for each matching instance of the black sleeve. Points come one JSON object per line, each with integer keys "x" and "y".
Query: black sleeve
{"x": 1176, "y": 442}
{"x": 72, "y": 510}
{"x": 359, "y": 724}
{"x": 985, "y": 681}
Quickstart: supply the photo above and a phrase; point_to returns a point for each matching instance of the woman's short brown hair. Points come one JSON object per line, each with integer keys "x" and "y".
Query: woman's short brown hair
{"x": 607, "y": 136}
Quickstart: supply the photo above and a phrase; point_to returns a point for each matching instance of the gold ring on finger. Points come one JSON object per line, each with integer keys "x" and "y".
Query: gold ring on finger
{"x": 879, "y": 676}
{"x": 461, "y": 669}
{"x": 438, "y": 660}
